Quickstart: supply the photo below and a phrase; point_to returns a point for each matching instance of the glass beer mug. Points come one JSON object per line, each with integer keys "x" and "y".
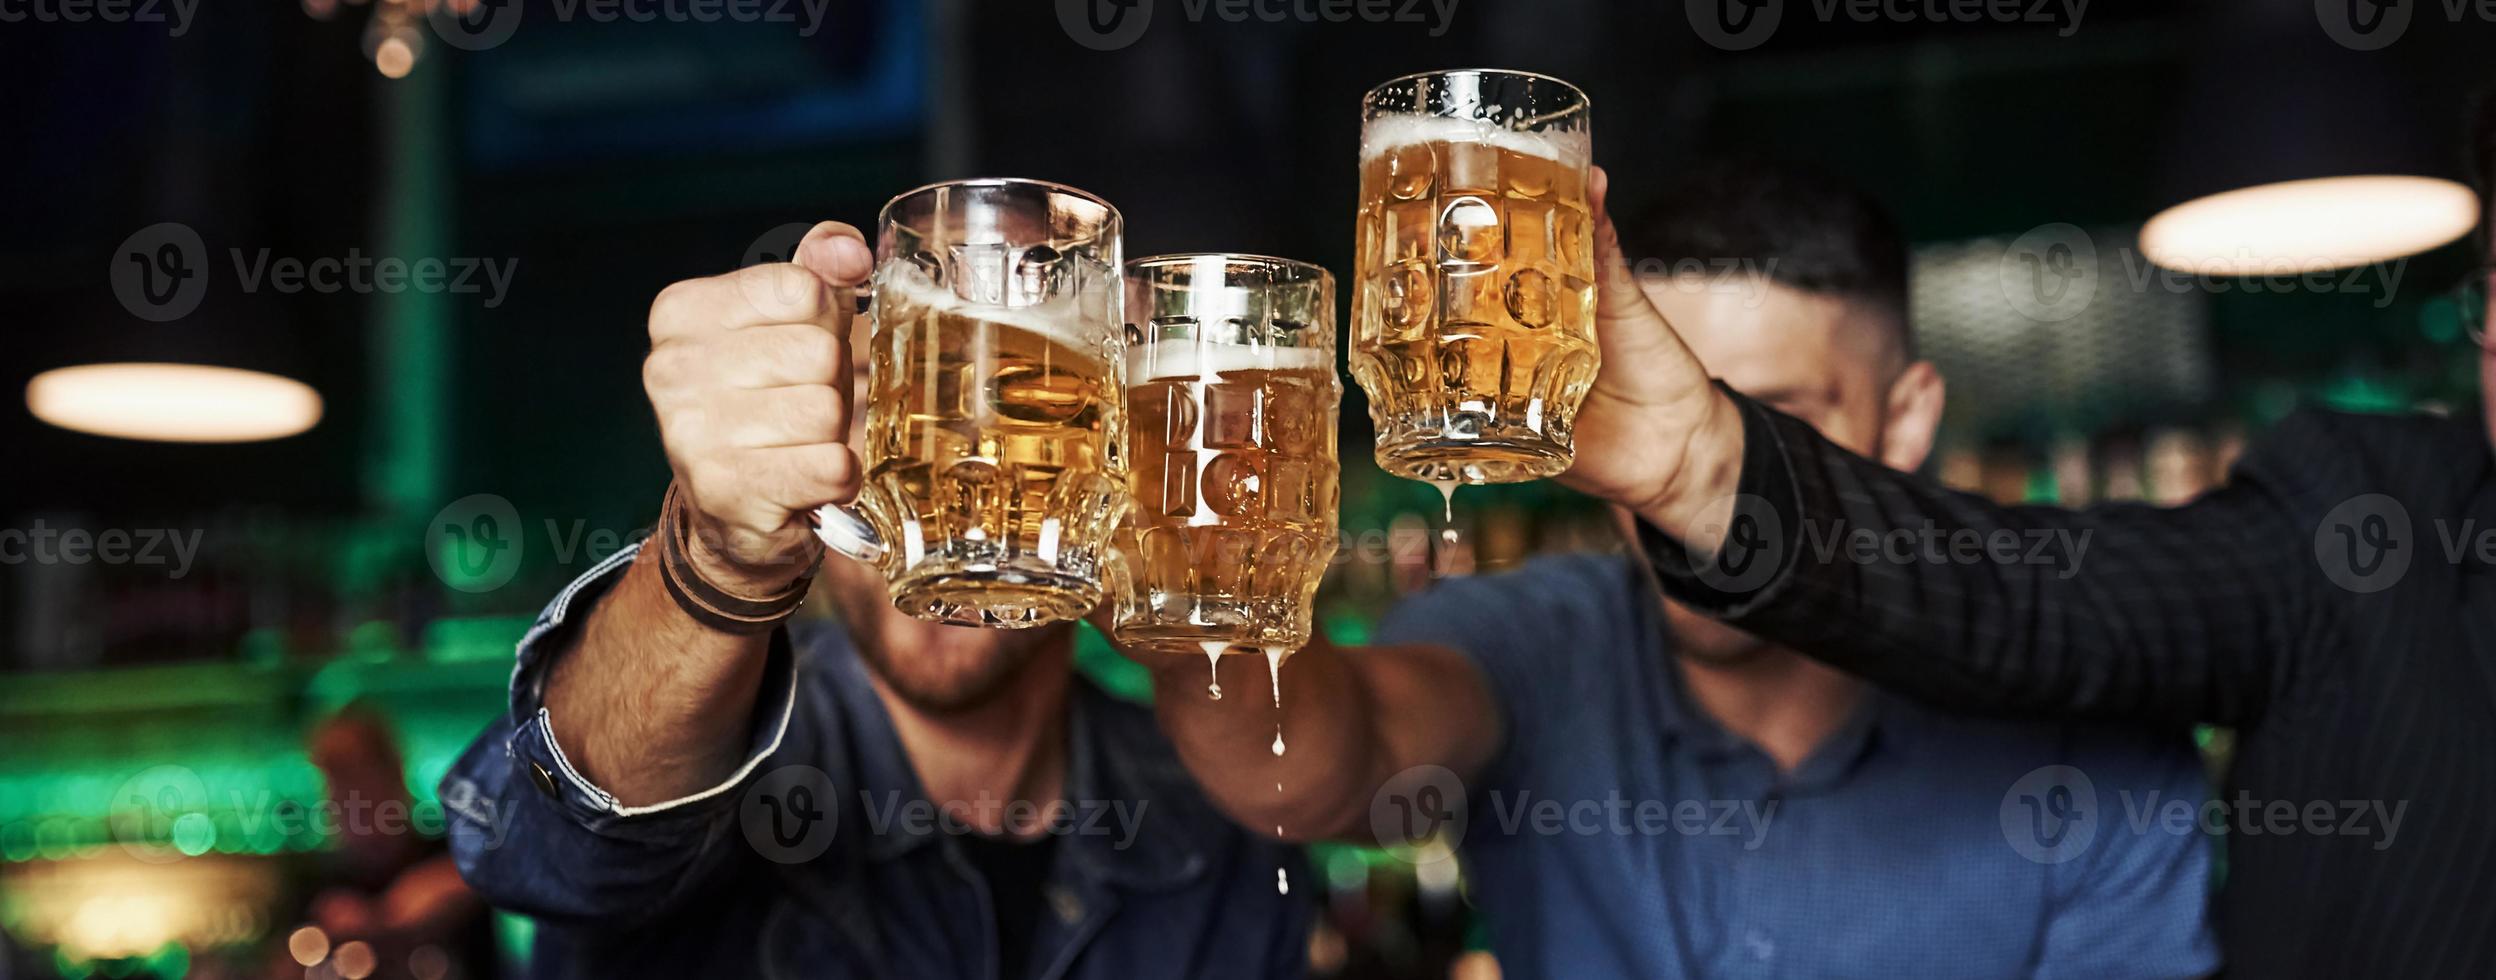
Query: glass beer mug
{"x": 1474, "y": 260}
{"x": 1231, "y": 406}
{"x": 995, "y": 425}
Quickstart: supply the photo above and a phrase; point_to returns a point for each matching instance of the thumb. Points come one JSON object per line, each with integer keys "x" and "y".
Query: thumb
{"x": 1617, "y": 296}
{"x": 1628, "y": 328}
{"x": 836, "y": 253}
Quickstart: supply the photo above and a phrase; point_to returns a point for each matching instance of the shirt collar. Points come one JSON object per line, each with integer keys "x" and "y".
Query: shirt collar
{"x": 1691, "y": 726}
{"x": 1121, "y": 774}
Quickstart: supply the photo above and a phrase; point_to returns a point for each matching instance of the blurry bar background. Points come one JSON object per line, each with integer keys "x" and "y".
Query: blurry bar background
{"x": 482, "y": 444}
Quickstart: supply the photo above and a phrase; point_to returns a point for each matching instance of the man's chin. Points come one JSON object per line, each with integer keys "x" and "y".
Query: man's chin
{"x": 944, "y": 670}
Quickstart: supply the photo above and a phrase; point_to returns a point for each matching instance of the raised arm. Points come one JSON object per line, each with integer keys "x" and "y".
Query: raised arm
{"x": 749, "y": 375}
{"x": 2184, "y": 613}
{"x": 610, "y": 786}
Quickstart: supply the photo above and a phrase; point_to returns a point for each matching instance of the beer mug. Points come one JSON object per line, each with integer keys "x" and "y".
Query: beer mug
{"x": 993, "y": 471}
{"x": 1475, "y": 264}
{"x": 1231, "y": 406}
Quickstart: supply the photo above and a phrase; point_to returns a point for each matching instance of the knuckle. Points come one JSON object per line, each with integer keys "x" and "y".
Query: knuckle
{"x": 663, "y": 370}
{"x": 684, "y": 429}
{"x": 808, "y": 417}
{"x": 676, "y": 308}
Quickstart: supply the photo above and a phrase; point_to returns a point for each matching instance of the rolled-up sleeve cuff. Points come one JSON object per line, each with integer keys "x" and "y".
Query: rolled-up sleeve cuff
{"x": 1757, "y": 558}
{"x": 536, "y": 751}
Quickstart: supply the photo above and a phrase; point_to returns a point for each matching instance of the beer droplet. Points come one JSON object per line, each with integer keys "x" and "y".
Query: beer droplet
{"x": 1274, "y": 676}
{"x": 1469, "y": 231}
{"x": 1528, "y": 295}
{"x": 1213, "y": 667}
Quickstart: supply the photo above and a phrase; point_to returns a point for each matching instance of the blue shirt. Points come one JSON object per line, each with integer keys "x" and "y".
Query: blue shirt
{"x": 1621, "y": 833}
{"x": 821, "y": 856}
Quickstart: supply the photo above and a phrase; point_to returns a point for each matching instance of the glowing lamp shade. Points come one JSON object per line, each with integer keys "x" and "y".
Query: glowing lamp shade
{"x": 2315, "y": 225}
{"x": 173, "y": 402}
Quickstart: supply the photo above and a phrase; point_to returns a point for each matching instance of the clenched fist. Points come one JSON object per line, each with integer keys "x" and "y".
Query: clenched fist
{"x": 749, "y": 373}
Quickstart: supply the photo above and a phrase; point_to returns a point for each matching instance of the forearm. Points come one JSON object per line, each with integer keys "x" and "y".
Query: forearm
{"x": 1349, "y": 720}
{"x": 649, "y": 704}
{"x": 2181, "y": 614}
{"x": 1694, "y": 505}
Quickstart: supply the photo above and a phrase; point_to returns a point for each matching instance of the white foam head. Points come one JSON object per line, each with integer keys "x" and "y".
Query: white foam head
{"x": 1064, "y": 318}
{"x": 1388, "y": 132}
{"x": 1180, "y": 359}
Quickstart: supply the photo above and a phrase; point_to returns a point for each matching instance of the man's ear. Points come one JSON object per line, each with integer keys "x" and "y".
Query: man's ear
{"x": 1914, "y": 415}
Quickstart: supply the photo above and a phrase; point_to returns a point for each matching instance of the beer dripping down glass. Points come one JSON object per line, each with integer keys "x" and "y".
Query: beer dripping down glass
{"x": 1474, "y": 268}
{"x": 995, "y": 422}
{"x": 1232, "y": 399}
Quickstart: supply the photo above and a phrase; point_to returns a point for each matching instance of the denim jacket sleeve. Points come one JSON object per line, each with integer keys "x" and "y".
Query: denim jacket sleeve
{"x": 533, "y": 835}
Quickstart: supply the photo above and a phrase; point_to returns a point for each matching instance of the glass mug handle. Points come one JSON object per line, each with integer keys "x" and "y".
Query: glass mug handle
{"x": 840, "y": 526}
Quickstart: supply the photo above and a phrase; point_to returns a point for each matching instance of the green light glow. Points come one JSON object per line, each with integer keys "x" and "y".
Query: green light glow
{"x": 194, "y": 833}
{"x": 1096, "y": 659}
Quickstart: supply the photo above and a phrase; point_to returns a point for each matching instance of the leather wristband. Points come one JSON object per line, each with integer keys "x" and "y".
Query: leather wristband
{"x": 707, "y": 602}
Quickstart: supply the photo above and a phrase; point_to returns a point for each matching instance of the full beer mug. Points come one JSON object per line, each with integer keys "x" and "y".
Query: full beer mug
{"x": 1231, "y": 406}
{"x": 1475, "y": 264}
{"x": 995, "y": 427}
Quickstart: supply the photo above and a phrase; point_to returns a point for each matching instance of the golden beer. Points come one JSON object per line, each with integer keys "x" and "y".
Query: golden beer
{"x": 1232, "y": 402}
{"x": 1474, "y": 258}
{"x": 995, "y": 419}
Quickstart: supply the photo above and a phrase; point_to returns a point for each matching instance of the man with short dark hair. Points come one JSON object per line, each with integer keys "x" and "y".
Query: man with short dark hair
{"x": 1652, "y": 794}
{"x": 2335, "y": 603}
